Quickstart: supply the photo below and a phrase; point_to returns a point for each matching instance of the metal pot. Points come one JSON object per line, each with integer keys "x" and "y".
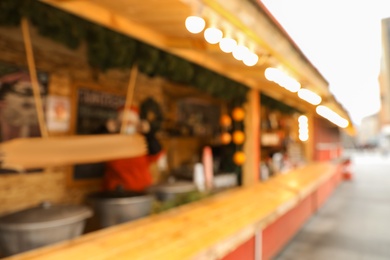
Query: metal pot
{"x": 171, "y": 190}
{"x": 40, "y": 226}
{"x": 115, "y": 207}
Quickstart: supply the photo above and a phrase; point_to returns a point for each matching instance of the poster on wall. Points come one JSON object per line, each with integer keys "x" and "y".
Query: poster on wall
{"x": 18, "y": 116}
{"x": 58, "y": 113}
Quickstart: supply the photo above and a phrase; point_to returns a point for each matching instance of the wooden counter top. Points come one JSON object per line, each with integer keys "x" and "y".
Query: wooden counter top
{"x": 202, "y": 230}
{"x": 304, "y": 180}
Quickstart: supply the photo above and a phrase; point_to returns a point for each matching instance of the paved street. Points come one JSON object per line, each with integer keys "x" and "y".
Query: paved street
{"x": 355, "y": 222}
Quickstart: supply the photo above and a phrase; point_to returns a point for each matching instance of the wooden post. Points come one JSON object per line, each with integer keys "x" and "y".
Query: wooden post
{"x": 309, "y": 144}
{"x": 129, "y": 96}
{"x": 252, "y": 134}
{"x": 34, "y": 78}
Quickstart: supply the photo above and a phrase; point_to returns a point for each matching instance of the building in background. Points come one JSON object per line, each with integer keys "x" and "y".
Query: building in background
{"x": 384, "y": 82}
{"x": 369, "y": 131}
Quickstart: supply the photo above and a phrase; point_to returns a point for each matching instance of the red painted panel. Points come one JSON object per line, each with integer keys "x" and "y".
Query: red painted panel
{"x": 314, "y": 201}
{"x": 334, "y": 180}
{"x": 325, "y": 133}
{"x": 243, "y": 252}
{"x": 277, "y": 234}
{"x": 324, "y": 191}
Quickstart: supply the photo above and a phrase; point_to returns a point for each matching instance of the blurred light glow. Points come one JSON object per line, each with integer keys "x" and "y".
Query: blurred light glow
{"x": 213, "y": 35}
{"x": 303, "y": 138}
{"x": 282, "y": 79}
{"x": 227, "y": 45}
{"x": 303, "y": 119}
{"x": 250, "y": 59}
{"x": 239, "y": 52}
{"x": 303, "y": 125}
{"x": 332, "y": 116}
{"x": 304, "y": 131}
{"x": 309, "y": 96}
{"x": 195, "y": 24}
{"x": 303, "y": 128}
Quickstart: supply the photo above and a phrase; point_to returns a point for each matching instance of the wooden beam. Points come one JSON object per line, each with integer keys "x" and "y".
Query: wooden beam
{"x": 309, "y": 144}
{"x": 252, "y": 142}
{"x": 107, "y": 18}
{"x": 185, "y": 43}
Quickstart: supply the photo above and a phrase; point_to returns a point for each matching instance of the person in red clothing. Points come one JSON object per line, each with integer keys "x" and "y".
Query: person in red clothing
{"x": 133, "y": 173}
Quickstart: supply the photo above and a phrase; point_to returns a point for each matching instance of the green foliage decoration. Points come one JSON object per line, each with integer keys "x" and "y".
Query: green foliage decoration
{"x": 149, "y": 63}
{"x": 277, "y": 105}
{"x": 179, "y": 200}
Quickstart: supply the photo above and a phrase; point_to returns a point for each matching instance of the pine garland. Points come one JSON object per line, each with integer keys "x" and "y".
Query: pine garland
{"x": 277, "y": 105}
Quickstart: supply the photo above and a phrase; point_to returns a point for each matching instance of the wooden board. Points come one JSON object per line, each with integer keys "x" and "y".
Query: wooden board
{"x": 25, "y": 153}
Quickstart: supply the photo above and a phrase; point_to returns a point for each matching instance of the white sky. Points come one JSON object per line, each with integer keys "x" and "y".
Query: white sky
{"x": 342, "y": 38}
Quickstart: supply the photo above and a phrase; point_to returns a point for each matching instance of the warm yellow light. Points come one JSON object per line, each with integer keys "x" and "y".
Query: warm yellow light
{"x": 213, "y": 35}
{"x": 227, "y": 45}
{"x": 195, "y": 24}
{"x": 309, "y": 96}
{"x": 290, "y": 84}
{"x": 332, "y": 116}
{"x": 240, "y": 51}
{"x": 282, "y": 79}
{"x": 303, "y": 128}
{"x": 250, "y": 59}
{"x": 303, "y": 137}
{"x": 303, "y": 119}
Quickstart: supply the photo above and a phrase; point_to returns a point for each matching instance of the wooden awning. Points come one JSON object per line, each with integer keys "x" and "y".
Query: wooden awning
{"x": 162, "y": 24}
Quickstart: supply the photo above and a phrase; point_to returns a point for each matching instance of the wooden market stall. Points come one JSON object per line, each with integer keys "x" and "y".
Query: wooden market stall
{"x": 83, "y": 60}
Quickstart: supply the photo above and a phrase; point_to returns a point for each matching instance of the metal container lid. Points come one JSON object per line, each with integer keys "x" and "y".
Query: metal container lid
{"x": 119, "y": 197}
{"x": 115, "y": 194}
{"x": 45, "y": 215}
{"x": 179, "y": 186}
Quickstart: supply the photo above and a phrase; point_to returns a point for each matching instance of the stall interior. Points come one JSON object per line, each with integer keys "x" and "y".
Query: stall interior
{"x": 281, "y": 148}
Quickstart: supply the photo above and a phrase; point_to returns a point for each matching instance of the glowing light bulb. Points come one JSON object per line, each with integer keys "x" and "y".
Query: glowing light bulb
{"x": 239, "y": 52}
{"x": 213, "y": 35}
{"x": 303, "y": 137}
{"x": 302, "y": 119}
{"x": 270, "y": 74}
{"x": 332, "y": 116}
{"x": 309, "y": 96}
{"x": 227, "y": 45}
{"x": 282, "y": 79}
{"x": 195, "y": 24}
{"x": 250, "y": 59}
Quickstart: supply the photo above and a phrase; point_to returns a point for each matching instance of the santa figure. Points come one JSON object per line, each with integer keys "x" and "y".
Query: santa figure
{"x": 132, "y": 173}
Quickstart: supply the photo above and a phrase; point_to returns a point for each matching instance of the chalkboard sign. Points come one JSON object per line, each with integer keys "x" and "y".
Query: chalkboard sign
{"x": 93, "y": 108}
